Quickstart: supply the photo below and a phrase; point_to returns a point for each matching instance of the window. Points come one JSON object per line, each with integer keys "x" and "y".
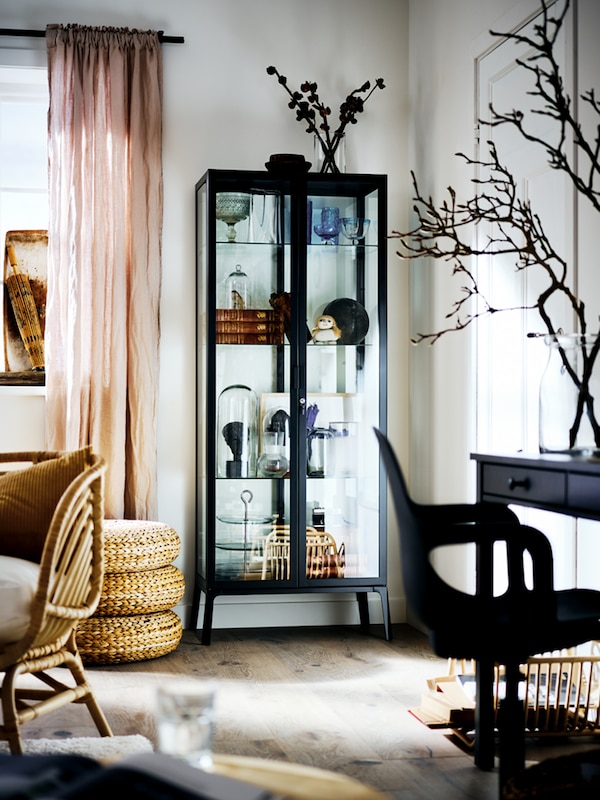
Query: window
{"x": 23, "y": 153}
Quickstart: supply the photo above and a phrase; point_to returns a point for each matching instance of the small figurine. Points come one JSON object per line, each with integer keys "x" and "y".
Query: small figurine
{"x": 237, "y": 301}
{"x": 326, "y": 330}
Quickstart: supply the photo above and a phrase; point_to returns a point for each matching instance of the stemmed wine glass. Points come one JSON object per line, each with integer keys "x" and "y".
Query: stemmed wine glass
{"x": 355, "y": 228}
{"x": 329, "y": 228}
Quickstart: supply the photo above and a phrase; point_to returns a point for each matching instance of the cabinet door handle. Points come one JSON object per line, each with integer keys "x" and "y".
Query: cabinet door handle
{"x": 514, "y": 483}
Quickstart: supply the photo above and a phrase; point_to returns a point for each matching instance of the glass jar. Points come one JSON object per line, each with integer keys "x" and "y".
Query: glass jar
{"x": 237, "y": 432}
{"x": 318, "y": 452}
{"x": 272, "y": 462}
{"x": 567, "y": 423}
{"x": 264, "y": 217}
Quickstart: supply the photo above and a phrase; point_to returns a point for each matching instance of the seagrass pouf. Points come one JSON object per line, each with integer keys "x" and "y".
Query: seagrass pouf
{"x": 134, "y": 620}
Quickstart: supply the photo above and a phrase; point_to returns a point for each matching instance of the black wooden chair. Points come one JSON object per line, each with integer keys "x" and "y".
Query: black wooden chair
{"x": 506, "y": 629}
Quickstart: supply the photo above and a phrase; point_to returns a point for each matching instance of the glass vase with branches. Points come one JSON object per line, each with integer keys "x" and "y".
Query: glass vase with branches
{"x": 316, "y": 114}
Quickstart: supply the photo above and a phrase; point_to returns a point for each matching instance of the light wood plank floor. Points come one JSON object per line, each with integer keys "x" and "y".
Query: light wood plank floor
{"x": 329, "y": 697}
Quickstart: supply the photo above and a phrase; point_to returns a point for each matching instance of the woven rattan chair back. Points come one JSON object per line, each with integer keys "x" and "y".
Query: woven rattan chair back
{"x": 69, "y": 587}
{"x": 321, "y": 549}
{"x": 276, "y": 554}
{"x": 321, "y": 555}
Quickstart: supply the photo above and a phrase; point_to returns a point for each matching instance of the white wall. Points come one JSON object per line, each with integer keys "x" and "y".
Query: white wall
{"x": 441, "y": 123}
{"x": 221, "y": 110}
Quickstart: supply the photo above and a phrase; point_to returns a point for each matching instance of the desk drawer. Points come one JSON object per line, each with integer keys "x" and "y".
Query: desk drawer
{"x": 519, "y": 484}
{"x": 584, "y": 493}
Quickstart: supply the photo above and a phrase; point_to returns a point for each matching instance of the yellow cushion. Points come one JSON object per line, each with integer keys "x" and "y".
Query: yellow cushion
{"x": 28, "y": 499}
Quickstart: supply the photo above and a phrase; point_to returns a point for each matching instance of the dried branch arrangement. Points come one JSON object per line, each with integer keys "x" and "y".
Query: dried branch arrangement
{"x": 448, "y": 231}
{"x": 310, "y": 109}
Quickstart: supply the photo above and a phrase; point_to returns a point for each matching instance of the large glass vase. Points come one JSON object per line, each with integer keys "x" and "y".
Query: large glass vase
{"x": 570, "y": 396}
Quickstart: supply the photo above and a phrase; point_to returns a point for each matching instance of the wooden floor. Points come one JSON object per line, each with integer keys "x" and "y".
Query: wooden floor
{"x": 328, "y": 697}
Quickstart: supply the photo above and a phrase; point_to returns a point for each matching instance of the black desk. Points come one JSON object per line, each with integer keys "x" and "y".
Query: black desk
{"x": 564, "y": 484}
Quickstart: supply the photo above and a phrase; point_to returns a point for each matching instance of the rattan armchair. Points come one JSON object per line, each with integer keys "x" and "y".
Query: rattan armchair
{"x": 68, "y": 587}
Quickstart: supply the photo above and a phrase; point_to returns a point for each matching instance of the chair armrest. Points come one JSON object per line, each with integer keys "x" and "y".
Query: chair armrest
{"x": 467, "y": 512}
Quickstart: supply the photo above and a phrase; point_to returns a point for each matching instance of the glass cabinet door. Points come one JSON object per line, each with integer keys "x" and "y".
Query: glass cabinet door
{"x": 342, "y": 377}
{"x": 250, "y": 363}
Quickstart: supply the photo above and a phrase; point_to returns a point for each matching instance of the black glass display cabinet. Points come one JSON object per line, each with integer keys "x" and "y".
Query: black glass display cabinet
{"x": 291, "y": 380}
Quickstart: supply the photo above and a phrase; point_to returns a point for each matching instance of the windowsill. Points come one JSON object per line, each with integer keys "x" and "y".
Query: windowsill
{"x": 23, "y": 379}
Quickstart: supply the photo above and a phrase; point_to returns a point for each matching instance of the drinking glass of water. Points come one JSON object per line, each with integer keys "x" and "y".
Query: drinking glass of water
{"x": 185, "y": 716}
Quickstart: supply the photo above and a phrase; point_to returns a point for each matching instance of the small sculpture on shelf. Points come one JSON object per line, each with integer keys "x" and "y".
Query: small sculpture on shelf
{"x": 326, "y": 330}
{"x": 234, "y": 434}
{"x": 277, "y": 420}
{"x": 238, "y": 289}
{"x": 237, "y": 423}
{"x": 282, "y": 303}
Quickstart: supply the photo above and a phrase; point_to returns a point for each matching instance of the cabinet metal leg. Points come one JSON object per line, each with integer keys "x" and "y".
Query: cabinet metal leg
{"x": 195, "y": 606}
{"x": 208, "y": 617}
{"x": 205, "y": 635}
{"x": 363, "y": 610}
{"x": 385, "y": 609}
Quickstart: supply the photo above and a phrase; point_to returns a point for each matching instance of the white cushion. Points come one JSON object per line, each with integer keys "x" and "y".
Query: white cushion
{"x": 18, "y": 582}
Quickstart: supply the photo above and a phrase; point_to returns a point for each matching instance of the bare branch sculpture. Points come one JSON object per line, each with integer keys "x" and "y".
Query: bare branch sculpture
{"x": 448, "y": 231}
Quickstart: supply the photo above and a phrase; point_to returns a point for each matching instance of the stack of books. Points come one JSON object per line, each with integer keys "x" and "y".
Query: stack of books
{"x": 447, "y": 704}
{"x": 248, "y": 326}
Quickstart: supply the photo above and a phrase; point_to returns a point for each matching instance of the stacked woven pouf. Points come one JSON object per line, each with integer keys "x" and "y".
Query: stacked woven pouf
{"x": 134, "y": 620}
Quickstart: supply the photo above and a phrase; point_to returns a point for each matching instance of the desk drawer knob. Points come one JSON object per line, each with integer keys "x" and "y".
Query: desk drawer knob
{"x": 513, "y": 483}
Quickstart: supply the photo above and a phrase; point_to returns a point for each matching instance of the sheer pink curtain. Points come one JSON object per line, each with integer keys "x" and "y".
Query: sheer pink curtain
{"x": 104, "y": 254}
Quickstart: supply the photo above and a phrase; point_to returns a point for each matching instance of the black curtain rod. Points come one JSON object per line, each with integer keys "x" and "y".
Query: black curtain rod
{"x": 40, "y": 34}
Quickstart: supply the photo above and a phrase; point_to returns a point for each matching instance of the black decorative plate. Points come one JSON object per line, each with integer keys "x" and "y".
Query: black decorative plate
{"x": 351, "y": 319}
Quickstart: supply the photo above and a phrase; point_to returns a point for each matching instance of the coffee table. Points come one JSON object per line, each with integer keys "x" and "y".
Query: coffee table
{"x": 293, "y": 781}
